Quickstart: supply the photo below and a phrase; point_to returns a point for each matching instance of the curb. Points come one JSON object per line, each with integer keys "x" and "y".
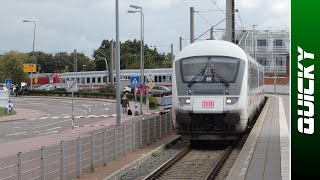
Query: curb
{"x": 116, "y": 175}
{"x": 11, "y": 120}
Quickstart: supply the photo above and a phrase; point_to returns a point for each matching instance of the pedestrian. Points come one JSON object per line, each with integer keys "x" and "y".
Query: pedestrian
{"x": 17, "y": 90}
{"x": 124, "y": 104}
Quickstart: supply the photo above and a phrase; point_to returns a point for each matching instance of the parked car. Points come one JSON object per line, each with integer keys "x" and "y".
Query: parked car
{"x": 60, "y": 87}
{"x": 3, "y": 86}
{"x": 165, "y": 104}
{"x": 161, "y": 91}
{"x": 126, "y": 90}
{"x": 43, "y": 87}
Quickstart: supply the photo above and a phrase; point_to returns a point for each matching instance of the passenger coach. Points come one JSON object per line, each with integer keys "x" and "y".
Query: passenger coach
{"x": 217, "y": 88}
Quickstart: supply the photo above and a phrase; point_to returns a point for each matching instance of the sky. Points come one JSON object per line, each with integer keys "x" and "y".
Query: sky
{"x": 65, "y": 25}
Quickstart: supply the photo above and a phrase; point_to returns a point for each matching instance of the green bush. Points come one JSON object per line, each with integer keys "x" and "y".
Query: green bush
{"x": 107, "y": 89}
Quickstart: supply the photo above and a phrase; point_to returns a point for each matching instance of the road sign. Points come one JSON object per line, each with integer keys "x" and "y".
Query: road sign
{"x": 72, "y": 86}
{"x": 29, "y": 68}
{"x": 151, "y": 85}
{"x": 8, "y": 83}
{"x": 134, "y": 80}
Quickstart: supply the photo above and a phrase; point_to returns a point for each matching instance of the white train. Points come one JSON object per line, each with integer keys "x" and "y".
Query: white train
{"x": 161, "y": 76}
{"x": 217, "y": 88}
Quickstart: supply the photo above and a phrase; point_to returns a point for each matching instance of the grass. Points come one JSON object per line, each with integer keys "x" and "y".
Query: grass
{"x": 4, "y": 113}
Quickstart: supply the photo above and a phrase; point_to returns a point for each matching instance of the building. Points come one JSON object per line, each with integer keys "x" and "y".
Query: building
{"x": 269, "y": 47}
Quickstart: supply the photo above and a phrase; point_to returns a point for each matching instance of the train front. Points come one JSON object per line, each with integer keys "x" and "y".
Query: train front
{"x": 209, "y": 91}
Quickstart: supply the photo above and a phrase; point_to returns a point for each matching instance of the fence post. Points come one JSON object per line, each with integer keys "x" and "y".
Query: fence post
{"x": 141, "y": 145}
{"x": 62, "y": 160}
{"x": 79, "y": 157}
{"x": 93, "y": 148}
{"x": 125, "y": 139}
{"x": 155, "y": 128}
{"x": 20, "y": 166}
{"x": 170, "y": 121}
{"x": 160, "y": 126}
{"x": 42, "y": 162}
{"x": 148, "y": 129}
{"x": 133, "y": 133}
{"x": 115, "y": 143}
{"x": 166, "y": 125}
{"x": 104, "y": 151}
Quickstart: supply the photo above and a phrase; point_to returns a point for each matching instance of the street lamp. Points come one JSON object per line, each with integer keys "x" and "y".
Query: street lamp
{"x": 139, "y": 9}
{"x": 34, "y": 39}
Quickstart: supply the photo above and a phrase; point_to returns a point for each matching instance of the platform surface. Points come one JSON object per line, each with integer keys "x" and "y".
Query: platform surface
{"x": 265, "y": 154}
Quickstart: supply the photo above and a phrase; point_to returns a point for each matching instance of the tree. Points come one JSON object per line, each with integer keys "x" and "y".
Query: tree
{"x": 11, "y": 66}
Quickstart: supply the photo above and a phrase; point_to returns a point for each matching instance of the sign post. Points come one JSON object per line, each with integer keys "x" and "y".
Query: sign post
{"x": 31, "y": 68}
{"x": 8, "y": 83}
{"x": 72, "y": 86}
{"x": 135, "y": 82}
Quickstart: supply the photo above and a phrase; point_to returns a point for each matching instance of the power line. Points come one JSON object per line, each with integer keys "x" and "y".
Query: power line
{"x": 203, "y": 18}
{"x": 218, "y": 6}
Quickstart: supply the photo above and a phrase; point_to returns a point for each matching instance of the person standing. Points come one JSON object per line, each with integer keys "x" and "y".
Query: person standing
{"x": 17, "y": 90}
{"x": 124, "y": 104}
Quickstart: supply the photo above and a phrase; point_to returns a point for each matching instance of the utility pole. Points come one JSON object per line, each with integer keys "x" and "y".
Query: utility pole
{"x": 230, "y": 21}
{"x": 191, "y": 25}
{"x": 111, "y": 67}
{"x": 211, "y": 33}
{"x": 75, "y": 61}
{"x": 254, "y": 41}
{"x": 180, "y": 43}
{"x": 118, "y": 90}
{"x": 172, "y": 55}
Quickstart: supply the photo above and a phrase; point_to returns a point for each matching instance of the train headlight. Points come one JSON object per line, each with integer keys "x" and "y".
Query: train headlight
{"x": 231, "y": 100}
{"x": 185, "y": 100}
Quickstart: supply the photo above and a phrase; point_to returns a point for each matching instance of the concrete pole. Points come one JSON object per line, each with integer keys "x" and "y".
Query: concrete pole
{"x": 118, "y": 65}
{"x": 75, "y": 61}
{"x": 229, "y": 20}
{"x": 111, "y": 67}
{"x": 172, "y": 55}
{"x": 141, "y": 59}
{"x": 180, "y": 43}
{"x": 191, "y": 25}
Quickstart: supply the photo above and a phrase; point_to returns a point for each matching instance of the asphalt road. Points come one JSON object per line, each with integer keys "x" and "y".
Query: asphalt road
{"x": 58, "y": 117}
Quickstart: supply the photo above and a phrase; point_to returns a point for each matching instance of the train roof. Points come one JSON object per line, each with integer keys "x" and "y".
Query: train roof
{"x": 212, "y": 47}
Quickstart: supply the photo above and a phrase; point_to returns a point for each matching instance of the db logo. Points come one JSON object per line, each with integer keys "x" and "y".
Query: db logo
{"x": 207, "y": 104}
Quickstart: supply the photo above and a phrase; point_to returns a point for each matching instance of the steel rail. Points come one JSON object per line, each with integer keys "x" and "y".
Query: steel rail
{"x": 157, "y": 173}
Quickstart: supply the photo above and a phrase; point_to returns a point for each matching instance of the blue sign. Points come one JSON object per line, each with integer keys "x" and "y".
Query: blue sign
{"x": 135, "y": 81}
{"x": 8, "y": 83}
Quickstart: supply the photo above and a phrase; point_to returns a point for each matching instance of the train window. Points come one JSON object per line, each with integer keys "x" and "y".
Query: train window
{"x": 164, "y": 78}
{"x": 160, "y": 80}
{"x": 155, "y": 78}
{"x": 104, "y": 79}
{"x": 170, "y": 79}
{"x": 224, "y": 66}
{"x": 88, "y": 80}
{"x": 99, "y": 80}
{"x": 93, "y": 80}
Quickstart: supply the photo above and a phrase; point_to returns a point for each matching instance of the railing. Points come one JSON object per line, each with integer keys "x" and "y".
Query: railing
{"x": 279, "y": 69}
{"x": 71, "y": 159}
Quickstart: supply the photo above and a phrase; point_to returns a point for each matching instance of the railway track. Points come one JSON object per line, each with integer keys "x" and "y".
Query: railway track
{"x": 193, "y": 163}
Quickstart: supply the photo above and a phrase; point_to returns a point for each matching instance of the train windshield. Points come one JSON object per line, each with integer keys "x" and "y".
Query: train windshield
{"x": 226, "y": 67}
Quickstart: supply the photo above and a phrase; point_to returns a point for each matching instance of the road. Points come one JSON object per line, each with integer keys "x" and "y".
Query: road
{"x": 57, "y": 119}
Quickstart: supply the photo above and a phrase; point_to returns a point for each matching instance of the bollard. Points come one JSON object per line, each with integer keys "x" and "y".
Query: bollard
{"x": 62, "y": 160}
{"x": 104, "y": 151}
{"x": 93, "y": 151}
{"x": 20, "y": 166}
{"x": 42, "y": 163}
{"x": 79, "y": 157}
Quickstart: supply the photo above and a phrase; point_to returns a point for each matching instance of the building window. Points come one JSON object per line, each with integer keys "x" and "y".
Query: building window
{"x": 279, "y": 61}
{"x": 262, "y": 60}
{"x": 261, "y": 42}
{"x": 277, "y": 42}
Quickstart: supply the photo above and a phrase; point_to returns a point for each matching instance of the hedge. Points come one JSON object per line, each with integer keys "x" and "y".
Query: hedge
{"x": 153, "y": 102}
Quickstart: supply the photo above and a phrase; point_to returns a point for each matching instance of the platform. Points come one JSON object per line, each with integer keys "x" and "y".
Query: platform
{"x": 265, "y": 154}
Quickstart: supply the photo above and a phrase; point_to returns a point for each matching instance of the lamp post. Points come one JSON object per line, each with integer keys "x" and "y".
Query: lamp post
{"x": 34, "y": 39}
{"x": 139, "y": 9}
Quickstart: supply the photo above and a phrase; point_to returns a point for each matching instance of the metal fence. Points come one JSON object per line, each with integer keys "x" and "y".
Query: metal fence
{"x": 71, "y": 159}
